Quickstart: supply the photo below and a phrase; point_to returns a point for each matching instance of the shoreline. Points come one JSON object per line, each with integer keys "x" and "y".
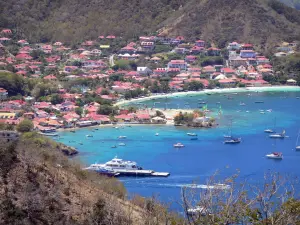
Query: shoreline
{"x": 211, "y": 91}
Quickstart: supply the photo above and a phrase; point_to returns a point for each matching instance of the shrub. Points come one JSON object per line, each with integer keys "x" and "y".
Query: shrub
{"x": 25, "y": 126}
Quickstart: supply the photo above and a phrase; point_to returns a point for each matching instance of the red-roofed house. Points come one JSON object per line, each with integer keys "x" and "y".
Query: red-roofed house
{"x": 227, "y": 82}
{"x": 190, "y": 58}
{"x": 23, "y": 57}
{"x": 228, "y": 72}
{"x": 200, "y": 43}
{"x": 50, "y": 77}
{"x": 177, "y": 64}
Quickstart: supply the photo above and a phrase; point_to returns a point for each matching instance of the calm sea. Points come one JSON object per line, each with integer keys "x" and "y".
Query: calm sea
{"x": 201, "y": 158}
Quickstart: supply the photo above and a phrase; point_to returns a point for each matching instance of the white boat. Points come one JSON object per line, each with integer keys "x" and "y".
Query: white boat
{"x": 49, "y": 134}
{"x": 122, "y": 144}
{"x": 233, "y": 141}
{"x": 191, "y": 134}
{"x": 120, "y": 164}
{"x": 178, "y": 145}
{"x": 247, "y": 111}
{"x": 114, "y": 146}
{"x": 269, "y": 110}
{"x": 282, "y": 135}
{"x": 242, "y": 104}
{"x": 122, "y": 137}
{"x": 157, "y": 134}
{"x": 198, "y": 210}
{"x": 297, "y": 144}
{"x": 262, "y": 112}
{"x": 268, "y": 131}
{"x": 275, "y": 155}
{"x": 89, "y": 135}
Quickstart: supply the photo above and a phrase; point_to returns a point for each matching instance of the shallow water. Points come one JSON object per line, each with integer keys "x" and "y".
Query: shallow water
{"x": 200, "y": 159}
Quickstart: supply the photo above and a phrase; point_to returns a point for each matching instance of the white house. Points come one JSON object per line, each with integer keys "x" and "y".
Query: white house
{"x": 144, "y": 71}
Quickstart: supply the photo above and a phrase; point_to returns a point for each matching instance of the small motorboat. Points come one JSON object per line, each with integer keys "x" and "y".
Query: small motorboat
{"x": 122, "y": 144}
{"x": 72, "y": 131}
{"x": 89, "y": 135}
{"x": 247, "y": 111}
{"x": 227, "y": 136}
{"x": 122, "y": 137}
{"x": 195, "y": 138}
{"x": 262, "y": 112}
{"x": 114, "y": 146}
{"x": 80, "y": 143}
{"x": 178, "y": 145}
{"x": 157, "y": 134}
{"x": 202, "y": 103}
{"x": 275, "y": 155}
{"x": 270, "y": 131}
{"x": 233, "y": 141}
{"x": 191, "y": 134}
{"x": 96, "y": 128}
{"x": 269, "y": 110}
{"x": 242, "y": 104}
{"x": 218, "y": 102}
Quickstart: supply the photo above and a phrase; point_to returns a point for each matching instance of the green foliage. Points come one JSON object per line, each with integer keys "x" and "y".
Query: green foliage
{"x": 159, "y": 48}
{"x": 193, "y": 86}
{"x": 44, "y": 89}
{"x": 79, "y": 111}
{"x": 25, "y": 126}
{"x": 13, "y": 83}
{"x": 56, "y": 99}
{"x": 183, "y": 118}
{"x": 106, "y": 110}
{"x": 133, "y": 93}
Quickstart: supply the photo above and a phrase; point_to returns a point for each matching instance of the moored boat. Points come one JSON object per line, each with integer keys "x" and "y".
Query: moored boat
{"x": 275, "y": 155}
{"x": 191, "y": 134}
{"x": 53, "y": 134}
{"x": 178, "y": 145}
{"x": 233, "y": 141}
{"x": 89, "y": 135}
{"x": 278, "y": 135}
{"x": 297, "y": 144}
{"x": 122, "y": 137}
{"x": 128, "y": 168}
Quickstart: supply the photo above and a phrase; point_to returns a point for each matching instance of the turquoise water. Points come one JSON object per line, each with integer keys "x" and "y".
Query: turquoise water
{"x": 200, "y": 159}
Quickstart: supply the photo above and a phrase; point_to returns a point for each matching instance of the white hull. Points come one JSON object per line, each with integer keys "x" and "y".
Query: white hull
{"x": 276, "y": 136}
{"x": 298, "y": 148}
{"x": 274, "y": 157}
{"x": 269, "y": 131}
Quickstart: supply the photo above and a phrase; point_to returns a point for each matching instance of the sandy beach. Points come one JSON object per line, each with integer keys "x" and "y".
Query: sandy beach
{"x": 211, "y": 91}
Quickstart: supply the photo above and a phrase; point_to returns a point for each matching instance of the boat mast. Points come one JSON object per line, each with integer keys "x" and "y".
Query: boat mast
{"x": 297, "y": 138}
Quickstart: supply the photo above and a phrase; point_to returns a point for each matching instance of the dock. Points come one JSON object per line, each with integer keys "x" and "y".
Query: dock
{"x": 141, "y": 173}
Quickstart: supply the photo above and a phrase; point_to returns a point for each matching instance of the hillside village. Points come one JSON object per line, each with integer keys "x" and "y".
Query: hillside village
{"x": 65, "y": 86}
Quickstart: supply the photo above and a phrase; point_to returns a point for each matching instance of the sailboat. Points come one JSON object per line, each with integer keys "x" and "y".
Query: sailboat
{"x": 270, "y": 131}
{"x": 297, "y": 144}
{"x": 278, "y": 135}
{"x": 229, "y": 139}
{"x": 275, "y": 155}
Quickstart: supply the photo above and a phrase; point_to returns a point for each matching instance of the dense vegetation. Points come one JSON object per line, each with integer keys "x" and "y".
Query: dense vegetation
{"x": 262, "y": 22}
{"x": 292, "y": 3}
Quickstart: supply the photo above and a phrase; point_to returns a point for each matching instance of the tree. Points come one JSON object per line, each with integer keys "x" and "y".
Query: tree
{"x": 194, "y": 86}
{"x": 25, "y": 126}
{"x": 105, "y": 109}
{"x": 56, "y": 99}
{"x": 79, "y": 111}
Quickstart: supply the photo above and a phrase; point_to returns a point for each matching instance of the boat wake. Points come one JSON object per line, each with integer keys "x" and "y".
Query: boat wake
{"x": 189, "y": 186}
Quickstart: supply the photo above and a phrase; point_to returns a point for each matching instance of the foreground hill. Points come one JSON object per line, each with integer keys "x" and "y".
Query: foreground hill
{"x": 292, "y": 3}
{"x": 38, "y": 185}
{"x": 258, "y": 21}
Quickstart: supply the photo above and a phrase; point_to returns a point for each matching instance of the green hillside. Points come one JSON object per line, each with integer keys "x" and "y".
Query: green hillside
{"x": 263, "y": 22}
